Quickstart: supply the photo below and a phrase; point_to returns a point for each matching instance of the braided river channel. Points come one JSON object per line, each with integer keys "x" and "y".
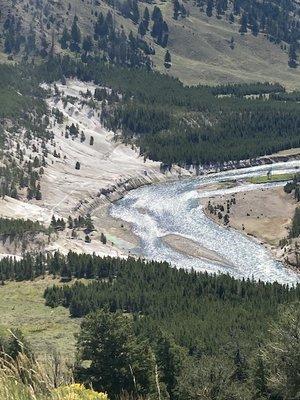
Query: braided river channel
{"x": 160, "y": 210}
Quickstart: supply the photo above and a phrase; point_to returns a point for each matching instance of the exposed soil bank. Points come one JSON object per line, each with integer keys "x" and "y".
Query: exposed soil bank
{"x": 264, "y": 214}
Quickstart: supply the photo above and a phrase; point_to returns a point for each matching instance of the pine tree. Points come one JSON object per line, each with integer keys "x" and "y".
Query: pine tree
{"x": 244, "y": 23}
{"x": 167, "y": 61}
{"x": 255, "y": 28}
{"x": 292, "y": 56}
{"x": 142, "y": 28}
{"x": 176, "y": 9}
{"x": 209, "y": 8}
{"x": 87, "y": 44}
{"x": 108, "y": 341}
{"x": 135, "y": 14}
{"x": 146, "y": 18}
{"x": 75, "y": 36}
{"x": 156, "y": 14}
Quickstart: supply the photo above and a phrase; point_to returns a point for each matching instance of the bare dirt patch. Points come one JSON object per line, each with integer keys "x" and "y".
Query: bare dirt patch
{"x": 263, "y": 213}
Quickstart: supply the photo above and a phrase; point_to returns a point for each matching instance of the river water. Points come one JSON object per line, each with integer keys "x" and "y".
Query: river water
{"x": 173, "y": 208}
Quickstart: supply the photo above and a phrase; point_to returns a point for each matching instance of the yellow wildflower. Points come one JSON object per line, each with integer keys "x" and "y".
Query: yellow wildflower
{"x": 77, "y": 392}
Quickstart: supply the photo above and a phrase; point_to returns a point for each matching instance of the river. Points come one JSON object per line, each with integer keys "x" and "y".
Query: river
{"x": 156, "y": 211}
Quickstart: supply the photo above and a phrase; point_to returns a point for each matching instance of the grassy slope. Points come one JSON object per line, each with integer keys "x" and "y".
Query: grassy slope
{"x": 201, "y": 53}
{"x": 273, "y": 178}
{"x": 22, "y": 306}
{"x": 199, "y": 45}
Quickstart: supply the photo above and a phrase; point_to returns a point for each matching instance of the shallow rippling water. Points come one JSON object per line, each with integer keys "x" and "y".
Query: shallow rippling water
{"x": 173, "y": 208}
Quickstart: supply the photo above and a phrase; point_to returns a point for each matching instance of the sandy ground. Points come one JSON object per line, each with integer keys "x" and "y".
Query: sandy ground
{"x": 263, "y": 213}
{"x": 190, "y": 248}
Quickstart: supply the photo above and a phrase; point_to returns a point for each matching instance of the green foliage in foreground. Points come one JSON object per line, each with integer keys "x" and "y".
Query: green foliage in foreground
{"x": 113, "y": 355}
{"x": 213, "y": 320}
{"x": 22, "y": 377}
{"x": 153, "y": 328}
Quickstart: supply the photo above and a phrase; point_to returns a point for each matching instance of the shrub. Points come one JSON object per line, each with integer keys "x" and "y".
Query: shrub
{"x": 77, "y": 392}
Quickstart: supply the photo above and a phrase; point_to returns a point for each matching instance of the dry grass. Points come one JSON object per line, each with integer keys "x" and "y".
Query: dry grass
{"x": 200, "y": 52}
{"x": 263, "y": 213}
{"x": 22, "y": 306}
{"x": 24, "y": 378}
{"x": 199, "y": 46}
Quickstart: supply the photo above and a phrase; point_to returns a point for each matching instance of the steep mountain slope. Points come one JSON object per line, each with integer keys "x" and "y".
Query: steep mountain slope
{"x": 200, "y": 49}
{"x": 203, "y": 49}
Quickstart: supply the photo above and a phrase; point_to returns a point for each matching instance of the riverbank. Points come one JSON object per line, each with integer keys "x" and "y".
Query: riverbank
{"x": 264, "y": 214}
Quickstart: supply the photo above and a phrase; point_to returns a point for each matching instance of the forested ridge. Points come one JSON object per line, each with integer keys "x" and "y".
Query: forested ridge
{"x": 174, "y": 123}
{"x": 170, "y": 122}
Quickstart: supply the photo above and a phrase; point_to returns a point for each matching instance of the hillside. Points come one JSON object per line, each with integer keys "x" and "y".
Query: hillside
{"x": 206, "y": 50}
{"x": 144, "y": 297}
{"x": 201, "y": 53}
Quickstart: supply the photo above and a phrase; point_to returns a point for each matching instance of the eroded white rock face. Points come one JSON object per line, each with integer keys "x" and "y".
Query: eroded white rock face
{"x": 108, "y": 169}
{"x": 104, "y": 165}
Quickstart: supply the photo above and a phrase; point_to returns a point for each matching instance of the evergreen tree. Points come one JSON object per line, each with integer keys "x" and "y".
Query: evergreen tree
{"x": 156, "y": 14}
{"x": 118, "y": 360}
{"x": 244, "y": 24}
{"x": 75, "y": 36}
{"x": 168, "y": 62}
{"x": 142, "y": 28}
{"x": 87, "y": 44}
{"x": 146, "y": 18}
{"x": 65, "y": 39}
{"x": 209, "y": 8}
{"x": 255, "y": 28}
{"x": 135, "y": 14}
{"x": 292, "y": 56}
{"x": 176, "y": 9}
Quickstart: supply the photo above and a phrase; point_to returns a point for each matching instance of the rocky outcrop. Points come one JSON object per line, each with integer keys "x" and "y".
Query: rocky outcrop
{"x": 291, "y": 254}
{"x": 118, "y": 190}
